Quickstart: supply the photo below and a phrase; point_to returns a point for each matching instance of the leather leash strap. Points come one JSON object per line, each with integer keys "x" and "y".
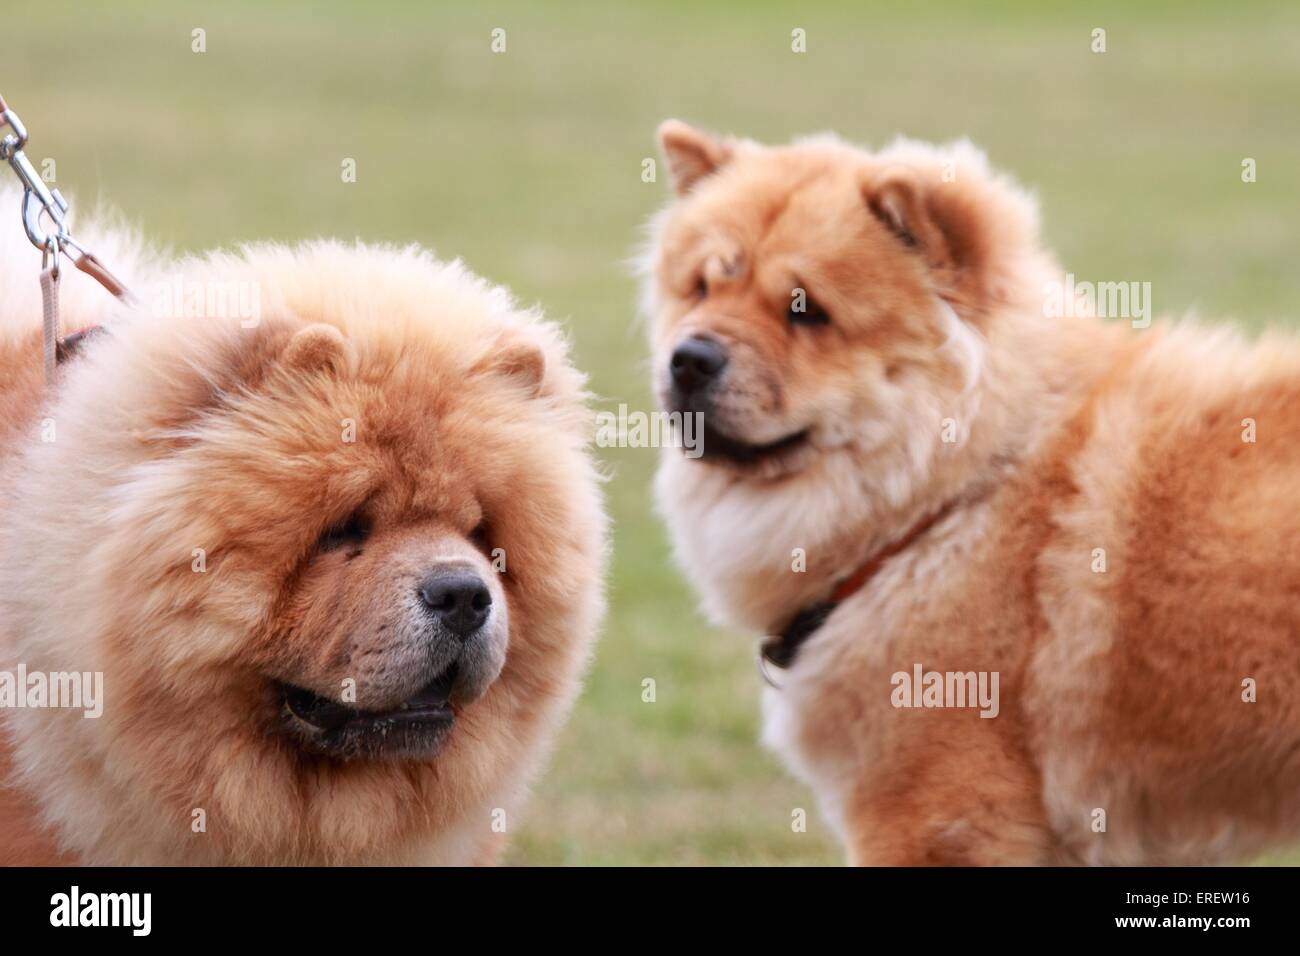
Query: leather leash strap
{"x": 50, "y": 319}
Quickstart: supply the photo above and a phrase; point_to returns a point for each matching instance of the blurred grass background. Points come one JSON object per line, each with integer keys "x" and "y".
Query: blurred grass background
{"x": 528, "y": 165}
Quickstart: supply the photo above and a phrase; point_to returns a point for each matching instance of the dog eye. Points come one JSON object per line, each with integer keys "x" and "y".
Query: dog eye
{"x": 481, "y": 537}
{"x": 351, "y": 533}
{"x": 701, "y": 288}
{"x": 811, "y": 314}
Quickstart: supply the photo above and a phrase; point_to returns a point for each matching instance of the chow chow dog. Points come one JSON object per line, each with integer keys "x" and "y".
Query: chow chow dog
{"x": 1030, "y": 583}
{"x": 338, "y": 563}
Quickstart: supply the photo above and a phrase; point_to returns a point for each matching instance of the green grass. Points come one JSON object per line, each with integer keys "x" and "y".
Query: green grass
{"x": 528, "y": 165}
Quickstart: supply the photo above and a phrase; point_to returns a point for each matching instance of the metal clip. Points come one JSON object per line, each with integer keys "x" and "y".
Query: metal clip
{"x": 765, "y": 667}
{"x": 38, "y": 198}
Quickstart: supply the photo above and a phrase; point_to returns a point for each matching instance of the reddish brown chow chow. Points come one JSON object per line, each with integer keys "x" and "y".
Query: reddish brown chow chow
{"x": 341, "y": 570}
{"x": 1105, "y": 518}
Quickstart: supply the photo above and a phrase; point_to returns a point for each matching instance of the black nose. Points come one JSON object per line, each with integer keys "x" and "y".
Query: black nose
{"x": 457, "y": 599}
{"x": 696, "y": 362}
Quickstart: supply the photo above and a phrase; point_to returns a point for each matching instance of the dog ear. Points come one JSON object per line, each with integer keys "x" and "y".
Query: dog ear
{"x": 976, "y": 236}
{"x": 691, "y": 153}
{"x": 316, "y": 347}
{"x": 920, "y": 214}
{"x": 517, "y": 360}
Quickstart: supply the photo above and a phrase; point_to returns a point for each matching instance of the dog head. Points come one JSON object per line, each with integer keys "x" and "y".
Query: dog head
{"x": 317, "y": 556}
{"x": 801, "y": 295}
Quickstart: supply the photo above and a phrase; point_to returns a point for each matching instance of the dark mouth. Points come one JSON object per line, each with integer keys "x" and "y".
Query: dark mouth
{"x": 717, "y": 446}
{"x": 415, "y": 729}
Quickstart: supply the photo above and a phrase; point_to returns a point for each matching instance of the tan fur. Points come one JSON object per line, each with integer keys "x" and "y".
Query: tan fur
{"x": 175, "y": 433}
{"x": 1120, "y": 690}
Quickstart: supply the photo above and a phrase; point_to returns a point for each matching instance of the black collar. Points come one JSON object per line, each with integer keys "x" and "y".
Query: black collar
{"x": 780, "y": 651}
{"x": 70, "y": 344}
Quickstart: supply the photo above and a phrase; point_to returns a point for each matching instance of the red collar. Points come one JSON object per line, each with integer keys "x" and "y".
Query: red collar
{"x": 780, "y": 651}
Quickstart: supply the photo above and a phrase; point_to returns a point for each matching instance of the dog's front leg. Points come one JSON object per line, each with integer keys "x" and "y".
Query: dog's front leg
{"x": 963, "y": 799}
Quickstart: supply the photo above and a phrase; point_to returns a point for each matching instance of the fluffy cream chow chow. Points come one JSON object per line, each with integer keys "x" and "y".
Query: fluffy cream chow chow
{"x": 338, "y": 562}
{"x": 1030, "y": 583}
